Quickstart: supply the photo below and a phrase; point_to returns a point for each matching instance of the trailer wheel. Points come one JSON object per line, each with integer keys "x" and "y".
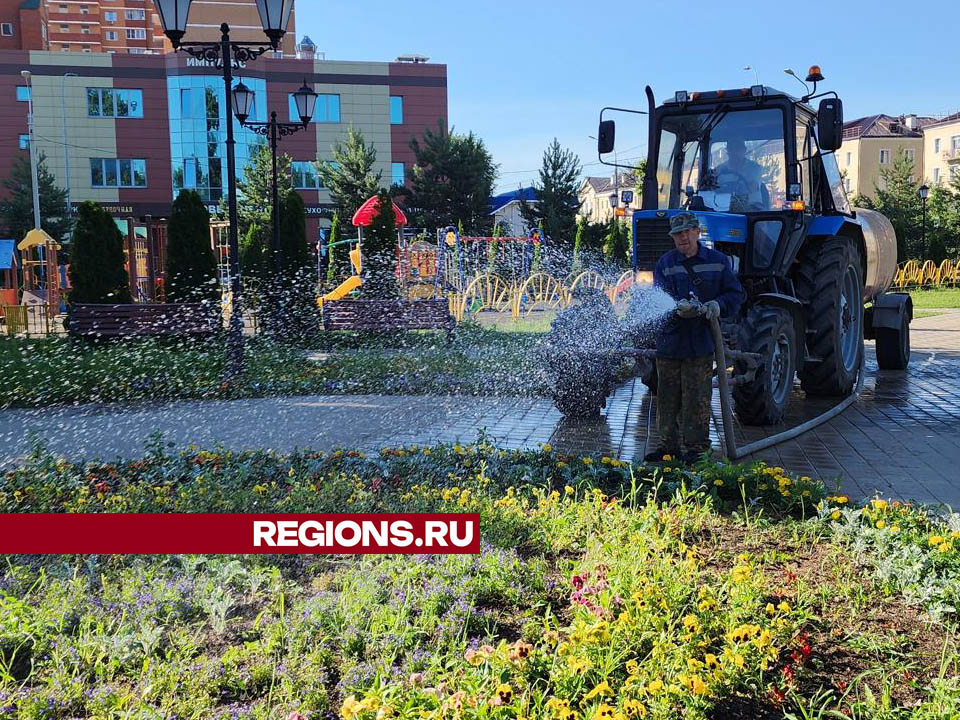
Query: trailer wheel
{"x": 893, "y": 346}
{"x": 768, "y": 331}
{"x": 830, "y": 283}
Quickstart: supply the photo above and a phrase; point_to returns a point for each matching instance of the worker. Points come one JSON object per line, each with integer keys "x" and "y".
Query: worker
{"x": 742, "y": 178}
{"x": 705, "y": 287}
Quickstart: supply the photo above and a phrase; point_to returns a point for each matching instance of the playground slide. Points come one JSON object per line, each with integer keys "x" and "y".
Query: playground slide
{"x": 344, "y": 288}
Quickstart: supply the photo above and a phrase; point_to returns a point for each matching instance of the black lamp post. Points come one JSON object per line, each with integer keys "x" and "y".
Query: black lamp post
{"x": 306, "y": 102}
{"x": 274, "y": 16}
{"x": 923, "y": 192}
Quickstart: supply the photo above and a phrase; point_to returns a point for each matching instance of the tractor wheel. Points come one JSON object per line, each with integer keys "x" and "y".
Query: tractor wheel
{"x": 893, "y": 346}
{"x": 768, "y": 331}
{"x": 830, "y": 283}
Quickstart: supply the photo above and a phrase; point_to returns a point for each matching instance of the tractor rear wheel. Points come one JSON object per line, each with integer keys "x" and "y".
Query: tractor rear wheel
{"x": 768, "y": 331}
{"x": 830, "y": 283}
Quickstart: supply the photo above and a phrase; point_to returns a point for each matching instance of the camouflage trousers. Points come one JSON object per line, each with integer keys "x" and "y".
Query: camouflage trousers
{"x": 684, "y": 393}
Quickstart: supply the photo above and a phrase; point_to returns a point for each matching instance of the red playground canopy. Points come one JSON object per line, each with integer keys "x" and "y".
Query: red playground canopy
{"x": 364, "y": 215}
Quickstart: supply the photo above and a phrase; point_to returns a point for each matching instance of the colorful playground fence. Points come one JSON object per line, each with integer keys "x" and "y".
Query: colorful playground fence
{"x": 915, "y": 274}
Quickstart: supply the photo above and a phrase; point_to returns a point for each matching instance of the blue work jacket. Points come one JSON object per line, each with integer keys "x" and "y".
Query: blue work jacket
{"x": 681, "y": 338}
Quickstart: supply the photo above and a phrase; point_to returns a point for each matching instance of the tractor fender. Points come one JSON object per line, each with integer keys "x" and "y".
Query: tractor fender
{"x": 887, "y": 312}
{"x": 795, "y": 308}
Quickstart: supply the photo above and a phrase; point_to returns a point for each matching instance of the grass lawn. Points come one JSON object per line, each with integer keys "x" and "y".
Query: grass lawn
{"x": 35, "y": 373}
{"x": 936, "y": 298}
{"x": 602, "y": 592}
{"x": 926, "y": 313}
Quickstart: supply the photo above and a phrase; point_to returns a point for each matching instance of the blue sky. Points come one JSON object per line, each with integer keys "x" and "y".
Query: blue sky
{"x": 521, "y": 73}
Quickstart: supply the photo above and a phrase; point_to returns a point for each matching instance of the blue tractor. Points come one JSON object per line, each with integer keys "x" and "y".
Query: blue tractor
{"x": 758, "y": 168}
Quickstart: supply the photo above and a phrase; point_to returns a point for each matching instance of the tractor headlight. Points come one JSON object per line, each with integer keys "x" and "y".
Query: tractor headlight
{"x": 681, "y": 96}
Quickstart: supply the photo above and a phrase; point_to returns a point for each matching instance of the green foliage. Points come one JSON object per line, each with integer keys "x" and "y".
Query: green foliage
{"x": 578, "y": 245}
{"x": 616, "y": 246}
{"x": 379, "y": 250}
{"x": 452, "y": 180}
{"x": 255, "y": 255}
{"x": 255, "y": 188}
{"x": 191, "y": 266}
{"x": 349, "y": 173}
{"x": 296, "y": 297}
{"x": 898, "y": 200}
{"x": 97, "y": 271}
{"x": 943, "y": 220}
{"x": 557, "y": 194}
{"x": 16, "y": 211}
{"x": 333, "y": 271}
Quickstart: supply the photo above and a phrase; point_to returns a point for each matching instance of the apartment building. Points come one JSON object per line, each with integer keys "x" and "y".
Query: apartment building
{"x": 23, "y": 25}
{"x": 941, "y": 150}
{"x": 131, "y": 130}
{"x": 872, "y": 143}
{"x": 124, "y": 26}
{"x": 596, "y": 194}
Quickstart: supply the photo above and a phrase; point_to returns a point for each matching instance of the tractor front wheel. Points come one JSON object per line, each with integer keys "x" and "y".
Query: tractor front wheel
{"x": 769, "y": 332}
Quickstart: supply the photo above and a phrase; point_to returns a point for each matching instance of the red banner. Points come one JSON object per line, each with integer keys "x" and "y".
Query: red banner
{"x": 229, "y": 534}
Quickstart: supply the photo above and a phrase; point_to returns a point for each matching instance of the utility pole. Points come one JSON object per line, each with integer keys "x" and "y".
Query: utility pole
{"x": 66, "y": 147}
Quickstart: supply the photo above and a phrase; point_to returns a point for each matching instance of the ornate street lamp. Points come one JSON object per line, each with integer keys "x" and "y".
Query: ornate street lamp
{"x": 305, "y": 100}
{"x": 274, "y": 16}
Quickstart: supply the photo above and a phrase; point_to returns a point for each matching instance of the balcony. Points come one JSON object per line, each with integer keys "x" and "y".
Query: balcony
{"x": 952, "y": 156}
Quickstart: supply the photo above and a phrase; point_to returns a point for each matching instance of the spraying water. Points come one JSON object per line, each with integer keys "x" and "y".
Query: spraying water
{"x": 649, "y": 307}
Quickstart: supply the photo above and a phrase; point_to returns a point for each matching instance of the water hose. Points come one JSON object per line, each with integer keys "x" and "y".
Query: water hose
{"x": 726, "y": 409}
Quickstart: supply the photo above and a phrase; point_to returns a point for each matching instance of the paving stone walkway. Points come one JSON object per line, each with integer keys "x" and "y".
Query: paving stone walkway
{"x": 900, "y": 438}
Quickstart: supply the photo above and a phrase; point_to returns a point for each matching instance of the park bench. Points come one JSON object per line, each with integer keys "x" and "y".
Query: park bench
{"x": 160, "y": 320}
{"x": 385, "y": 315}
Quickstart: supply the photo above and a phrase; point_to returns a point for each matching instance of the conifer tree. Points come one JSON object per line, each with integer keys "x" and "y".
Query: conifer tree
{"x": 97, "y": 268}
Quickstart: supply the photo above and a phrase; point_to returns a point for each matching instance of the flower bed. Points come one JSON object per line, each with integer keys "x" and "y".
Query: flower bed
{"x": 603, "y": 591}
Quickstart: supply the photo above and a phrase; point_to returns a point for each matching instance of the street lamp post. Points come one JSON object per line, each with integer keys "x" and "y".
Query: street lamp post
{"x": 33, "y": 150}
{"x": 274, "y": 16}
{"x": 66, "y": 147}
{"x": 923, "y": 192}
{"x": 306, "y": 102}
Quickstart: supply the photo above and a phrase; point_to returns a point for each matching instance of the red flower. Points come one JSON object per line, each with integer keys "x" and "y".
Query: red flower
{"x": 102, "y": 487}
{"x": 577, "y": 581}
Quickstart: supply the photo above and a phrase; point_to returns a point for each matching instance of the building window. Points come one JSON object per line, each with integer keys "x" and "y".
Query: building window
{"x": 24, "y": 142}
{"x": 110, "y": 16}
{"x": 65, "y": 48}
{"x": 849, "y": 158}
{"x": 910, "y": 154}
{"x": 64, "y": 8}
{"x": 396, "y": 109}
{"x": 884, "y": 157}
{"x": 328, "y": 109}
{"x": 84, "y": 10}
{"x": 305, "y": 176}
{"x": 109, "y": 172}
{"x": 86, "y": 48}
{"x": 955, "y": 144}
{"x": 846, "y": 184}
{"x": 85, "y": 29}
{"x": 936, "y": 176}
{"x": 6, "y": 29}
{"x": 64, "y": 28}
{"x": 111, "y": 34}
{"x": 398, "y": 173}
{"x": 107, "y": 102}
{"x": 23, "y": 93}
{"x": 136, "y": 34}
{"x": 135, "y": 14}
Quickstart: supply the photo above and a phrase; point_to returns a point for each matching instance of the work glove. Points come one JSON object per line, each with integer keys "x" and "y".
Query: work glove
{"x": 687, "y": 309}
{"x": 711, "y": 310}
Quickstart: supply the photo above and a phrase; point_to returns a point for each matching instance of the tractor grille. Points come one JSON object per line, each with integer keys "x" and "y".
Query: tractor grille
{"x": 653, "y": 240}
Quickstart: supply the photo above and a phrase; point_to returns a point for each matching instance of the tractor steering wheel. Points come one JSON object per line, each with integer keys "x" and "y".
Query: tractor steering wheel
{"x": 740, "y": 191}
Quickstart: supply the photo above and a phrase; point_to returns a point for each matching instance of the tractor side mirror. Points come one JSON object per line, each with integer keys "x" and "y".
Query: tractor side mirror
{"x": 606, "y": 136}
{"x": 830, "y": 123}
